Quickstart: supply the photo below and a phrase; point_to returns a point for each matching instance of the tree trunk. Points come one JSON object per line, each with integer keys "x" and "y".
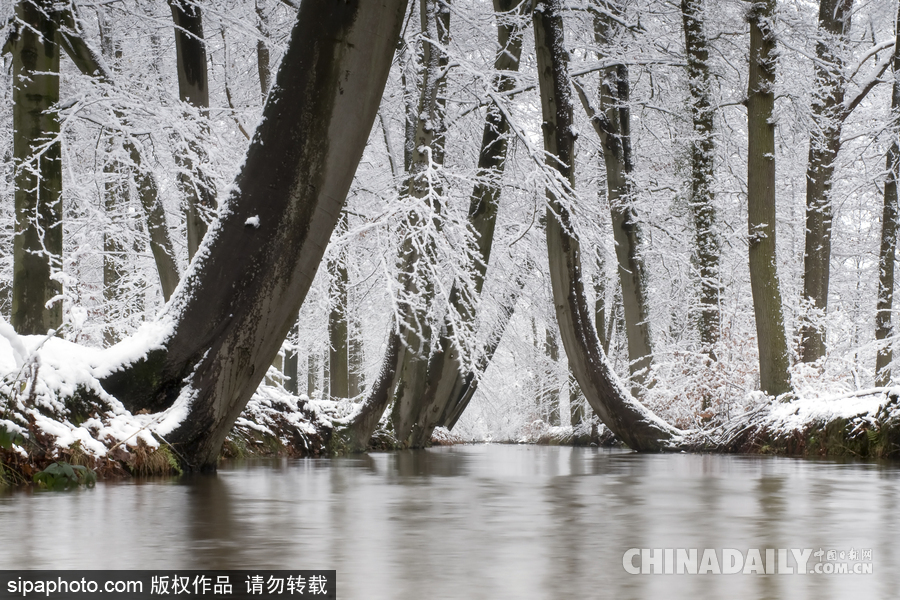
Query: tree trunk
{"x": 292, "y": 364}
{"x": 707, "y": 243}
{"x": 357, "y": 359}
{"x": 338, "y": 323}
{"x": 884, "y": 329}
{"x": 824, "y": 144}
{"x": 627, "y": 418}
{"x": 576, "y": 406}
{"x": 774, "y": 377}
{"x": 262, "y": 50}
{"x": 413, "y": 371}
{"x": 237, "y": 301}
{"x": 37, "y": 249}
{"x": 604, "y": 320}
{"x": 616, "y": 142}
{"x": 550, "y": 400}
{"x": 90, "y": 63}
{"x": 193, "y": 88}
{"x": 115, "y": 196}
{"x": 312, "y": 372}
{"x": 446, "y": 373}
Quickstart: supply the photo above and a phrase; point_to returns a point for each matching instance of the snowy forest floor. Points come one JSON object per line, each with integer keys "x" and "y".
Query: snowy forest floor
{"x": 53, "y": 409}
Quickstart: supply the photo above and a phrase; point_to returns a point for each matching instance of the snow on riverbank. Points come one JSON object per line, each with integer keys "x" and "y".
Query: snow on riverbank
{"x": 53, "y": 405}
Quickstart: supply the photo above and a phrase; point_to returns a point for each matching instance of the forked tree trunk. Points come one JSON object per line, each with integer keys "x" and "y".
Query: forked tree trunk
{"x": 193, "y": 88}
{"x": 774, "y": 377}
{"x": 240, "y": 297}
{"x": 414, "y": 372}
{"x": 707, "y": 246}
{"x": 625, "y": 417}
{"x": 884, "y": 329}
{"x": 824, "y": 144}
{"x": 446, "y": 372}
{"x": 38, "y": 244}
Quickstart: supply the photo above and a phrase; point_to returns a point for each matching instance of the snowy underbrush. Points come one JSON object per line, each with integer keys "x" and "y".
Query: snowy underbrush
{"x": 53, "y": 408}
{"x": 865, "y": 423}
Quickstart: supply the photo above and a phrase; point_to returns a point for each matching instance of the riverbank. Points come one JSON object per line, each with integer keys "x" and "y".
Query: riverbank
{"x": 53, "y": 410}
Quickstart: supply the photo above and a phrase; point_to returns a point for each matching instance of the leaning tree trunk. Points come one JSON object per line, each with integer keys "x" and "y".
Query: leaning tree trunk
{"x": 707, "y": 246}
{"x": 447, "y": 375}
{"x": 193, "y": 88}
{"x": 616, "y": 141}
{"x": 235, "y": 305}
{"x": 625, "y": 417}
{"x": 38, "y": 245}
{"x": 884, "y": 329}
{"x": 774, "y": 377}
{"x": 824, "y": 144}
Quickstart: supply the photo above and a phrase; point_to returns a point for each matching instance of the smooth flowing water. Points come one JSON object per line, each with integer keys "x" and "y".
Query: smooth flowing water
{"x": 490, "y": 521}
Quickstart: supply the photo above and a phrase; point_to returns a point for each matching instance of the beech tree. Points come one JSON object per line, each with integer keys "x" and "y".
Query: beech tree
{"x": 831, "y": 106}
{"x": 889, "y": 227}
{"x": 774, "y": 377}
{"x": 434, "y": 271}
{"x": 36, "y": 306}
{"x": 242, "y": 292}
{"x": 627, "y": 418}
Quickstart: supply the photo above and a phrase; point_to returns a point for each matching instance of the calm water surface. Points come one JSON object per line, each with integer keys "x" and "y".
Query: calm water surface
{"x": 479, "y": 522}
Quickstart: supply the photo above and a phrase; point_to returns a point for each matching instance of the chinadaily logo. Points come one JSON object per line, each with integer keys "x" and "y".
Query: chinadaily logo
{"x": 730, "y": 561}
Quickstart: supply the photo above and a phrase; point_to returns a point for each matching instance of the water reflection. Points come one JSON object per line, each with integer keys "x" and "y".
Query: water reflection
{"x": 478, "y": 522}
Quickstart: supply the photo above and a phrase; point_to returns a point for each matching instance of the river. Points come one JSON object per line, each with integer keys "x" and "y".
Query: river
{"x": 486, "y": 521}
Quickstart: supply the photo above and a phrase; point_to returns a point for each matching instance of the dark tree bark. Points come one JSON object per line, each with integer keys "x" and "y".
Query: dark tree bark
{"x": 884, "y": 329}
{"x": 193, "y": 88}
{"x": 774, "y": 377}
{"x": 338, "y": 323}
{"x": 292, "y": 365}
{"x": 824, "y": 144}
{"x": 356, "y": 375}
{"x": 238, "y": 300}
{"x": 550, "y": 399}
{"x": 707, "y": 248}
{"x": 37, "y": 247}
{"x": 627, "y": 418}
